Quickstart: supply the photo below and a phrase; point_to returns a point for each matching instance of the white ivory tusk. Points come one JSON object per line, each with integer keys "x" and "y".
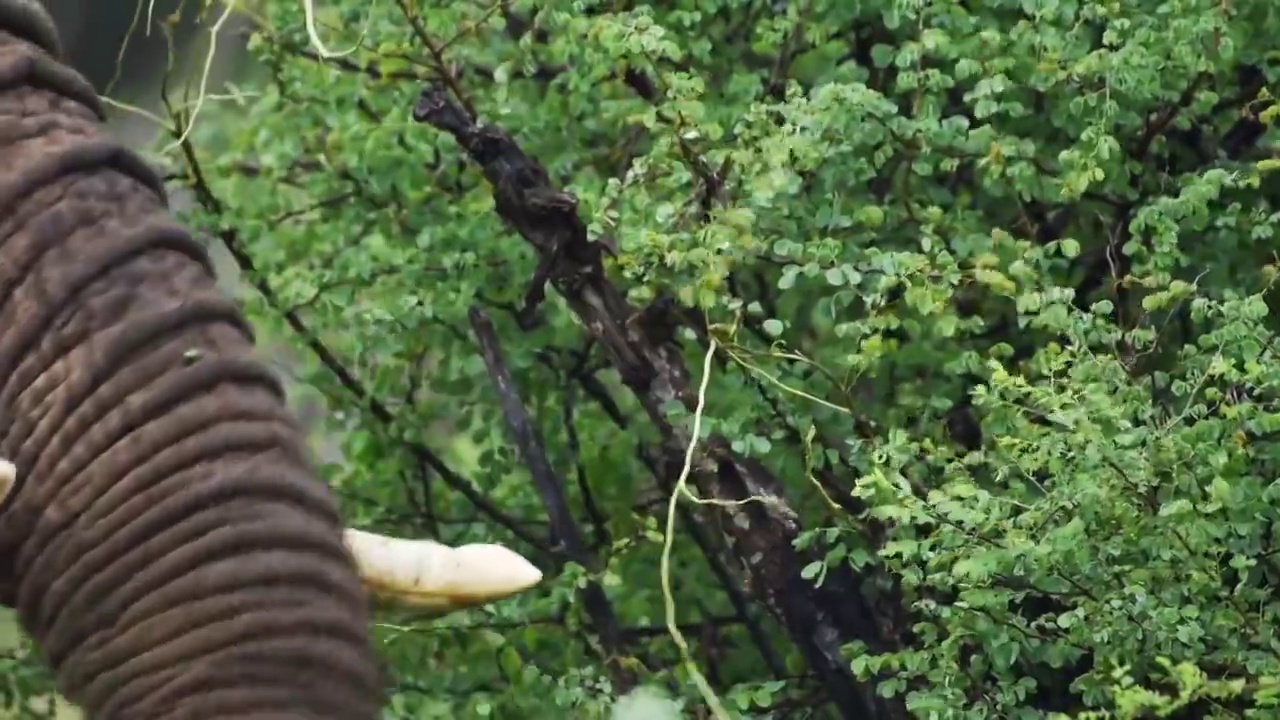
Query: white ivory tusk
{"x": 8, "y": 476}
{"x": 428, "y": 574}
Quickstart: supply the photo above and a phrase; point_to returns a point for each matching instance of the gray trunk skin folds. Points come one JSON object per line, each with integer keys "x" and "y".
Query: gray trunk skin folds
{"x": 169, "y": 547}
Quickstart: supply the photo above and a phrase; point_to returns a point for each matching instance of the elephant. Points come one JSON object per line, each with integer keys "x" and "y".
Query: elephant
{"x": 164, "y": 537}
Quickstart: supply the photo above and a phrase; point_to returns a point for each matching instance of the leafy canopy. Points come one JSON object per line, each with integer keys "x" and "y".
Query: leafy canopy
{"x": 990, "y": 284}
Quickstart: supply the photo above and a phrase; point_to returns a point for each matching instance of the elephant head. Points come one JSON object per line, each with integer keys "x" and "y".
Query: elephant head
{"x": 163, "y": 536}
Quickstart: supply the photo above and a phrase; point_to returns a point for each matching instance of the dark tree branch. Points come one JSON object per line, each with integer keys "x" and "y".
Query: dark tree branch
{"x": 422, "y": 455}
{"x": 599, "y": 523}
{"x": 763, "y": 526}
{"x": 665, "y": 472}
{"x": 550, "y": 487}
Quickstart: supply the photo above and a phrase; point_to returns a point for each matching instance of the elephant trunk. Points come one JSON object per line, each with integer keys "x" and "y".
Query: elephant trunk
{"x": 166, "y": 543}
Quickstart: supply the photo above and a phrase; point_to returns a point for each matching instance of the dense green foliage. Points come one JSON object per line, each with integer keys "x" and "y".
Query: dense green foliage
{"x": 989, "y": 283}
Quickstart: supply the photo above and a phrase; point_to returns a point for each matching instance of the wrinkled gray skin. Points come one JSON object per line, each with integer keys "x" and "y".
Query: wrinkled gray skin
{"x": 168, "y": 546}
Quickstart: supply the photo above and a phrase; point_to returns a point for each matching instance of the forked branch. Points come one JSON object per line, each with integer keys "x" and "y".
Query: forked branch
{"x": 761, "y": 524}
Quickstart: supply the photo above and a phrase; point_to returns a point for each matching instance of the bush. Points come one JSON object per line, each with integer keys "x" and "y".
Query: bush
{"x": 984, "y": 291}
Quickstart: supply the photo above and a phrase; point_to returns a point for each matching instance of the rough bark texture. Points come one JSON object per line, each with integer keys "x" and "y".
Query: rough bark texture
{"x": 763, "y": 531}
{"x": 168, "y": 546}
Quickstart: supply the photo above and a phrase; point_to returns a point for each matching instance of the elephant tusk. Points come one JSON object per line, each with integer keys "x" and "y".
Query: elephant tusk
{"x": 433, "y": 576}
{"x": 8, "y": 475}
